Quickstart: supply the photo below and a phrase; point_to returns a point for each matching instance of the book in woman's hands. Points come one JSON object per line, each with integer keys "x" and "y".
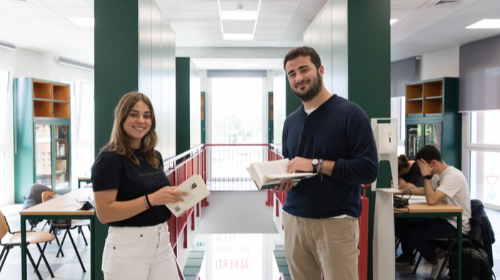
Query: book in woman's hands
{"x": 196, "y": 191}
{"x": 268, "y": 174}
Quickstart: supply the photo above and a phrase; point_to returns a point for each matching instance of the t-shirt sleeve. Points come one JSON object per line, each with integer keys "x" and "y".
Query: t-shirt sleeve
{"x": 415, "y": 176}
{"x": 448, "y": 185}
{"x": 160, "y": 158}
{"x": 106, "y": 172}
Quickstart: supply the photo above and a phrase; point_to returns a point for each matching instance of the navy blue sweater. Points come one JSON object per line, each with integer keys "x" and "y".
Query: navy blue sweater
{"x": 340, "y": 131}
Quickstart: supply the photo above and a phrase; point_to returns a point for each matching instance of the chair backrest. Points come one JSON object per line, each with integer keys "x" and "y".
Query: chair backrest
{"x": 4, "y": 227}
{"x": 48, "y": 195}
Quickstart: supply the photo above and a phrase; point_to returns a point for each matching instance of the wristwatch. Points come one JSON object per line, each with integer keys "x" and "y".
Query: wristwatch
{"x": 315, "y": 165}
{"x": 428, "y": 177}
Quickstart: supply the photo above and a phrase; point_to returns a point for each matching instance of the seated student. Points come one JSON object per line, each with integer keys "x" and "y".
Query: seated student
{"x": 409, "y": 175}
{"x": 409, "y": 178}
{"x": 442, "y": 184}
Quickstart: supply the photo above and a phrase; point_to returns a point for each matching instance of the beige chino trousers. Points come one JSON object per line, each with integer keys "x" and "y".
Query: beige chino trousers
{"x": 321, "y": 246}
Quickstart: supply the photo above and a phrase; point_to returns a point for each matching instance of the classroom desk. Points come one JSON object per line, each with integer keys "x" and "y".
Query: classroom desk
{"x": 61, "y": 207}
{"x": 384, "y": 262}
{"x": 437, "y": 210}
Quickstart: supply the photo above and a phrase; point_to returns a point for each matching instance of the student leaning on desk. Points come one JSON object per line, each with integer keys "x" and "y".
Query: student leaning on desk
{"x": 130, "y": 190}
{"x": 442, "y": 184}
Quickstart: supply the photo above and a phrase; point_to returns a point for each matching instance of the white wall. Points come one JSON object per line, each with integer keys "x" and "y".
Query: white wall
{"x": 28, "y": 63}
{"x": 444, "y": 63}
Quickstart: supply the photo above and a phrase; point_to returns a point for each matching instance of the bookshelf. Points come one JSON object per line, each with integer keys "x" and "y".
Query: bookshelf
{"x": 42, "y": 124}
{"x": 432, "y": 118}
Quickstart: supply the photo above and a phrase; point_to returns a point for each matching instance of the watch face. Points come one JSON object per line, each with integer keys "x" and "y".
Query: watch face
{"x": 315, "y": 162}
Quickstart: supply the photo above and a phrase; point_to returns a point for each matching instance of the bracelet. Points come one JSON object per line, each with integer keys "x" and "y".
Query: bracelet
{"x": 320, "y": 169}
{"x": 147, "y": 201}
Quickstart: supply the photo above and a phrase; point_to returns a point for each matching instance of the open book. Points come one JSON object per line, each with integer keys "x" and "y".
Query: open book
{"x": 196, "y": 190}
{"x": 268, "y": 174}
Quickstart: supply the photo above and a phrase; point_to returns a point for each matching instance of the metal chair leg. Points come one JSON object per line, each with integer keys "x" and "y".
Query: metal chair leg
{"x": 76, "y": 250}
{"x": 42, "y": 255}
{"x": 33, "y": 263}
{"x": 5, "y": 249}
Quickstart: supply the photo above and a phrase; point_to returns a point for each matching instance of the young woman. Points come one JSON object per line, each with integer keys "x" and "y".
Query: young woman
{"x": 409, "y": 176}
{"x": 130, "y": 190}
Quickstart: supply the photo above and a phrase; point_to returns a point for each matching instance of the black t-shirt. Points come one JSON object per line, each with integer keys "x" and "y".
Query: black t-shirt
{"x": 414, "y": 176}
{"x": 113, "y": 171}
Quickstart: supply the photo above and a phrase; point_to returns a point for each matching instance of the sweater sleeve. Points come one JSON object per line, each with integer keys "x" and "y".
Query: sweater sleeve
{"x": 362, "y": 166}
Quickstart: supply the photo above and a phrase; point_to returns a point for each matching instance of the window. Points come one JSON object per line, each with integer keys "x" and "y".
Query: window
{"x": 398, "y": 110}
{"x": 82, "y": 121}
{"x": 6, "y": 153}
{"x": 483, "y": 153}
{"x": 237, "y": 110}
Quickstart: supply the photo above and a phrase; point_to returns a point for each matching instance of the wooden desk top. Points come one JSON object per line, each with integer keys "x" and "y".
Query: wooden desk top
{"x": 424, "y": 208}
{"x": 62, "y": 205}
{"x": 84, "y": 177}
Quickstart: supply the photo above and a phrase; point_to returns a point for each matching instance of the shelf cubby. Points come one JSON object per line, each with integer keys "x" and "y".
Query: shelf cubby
{"x": 61, "y": 92}
{"x": 42, "y": 90}
{"x": 42, "y": 109}
{"x": 62, "y": 110}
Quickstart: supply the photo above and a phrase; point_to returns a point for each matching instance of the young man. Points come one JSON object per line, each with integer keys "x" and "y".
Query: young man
{"x": 333, "y": 137}
{"x": 442, "y": 184}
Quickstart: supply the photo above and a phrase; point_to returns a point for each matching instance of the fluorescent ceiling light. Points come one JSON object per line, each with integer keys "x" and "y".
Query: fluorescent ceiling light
{"x": 235, "y": 36}
{"x": 485, "y": 24}
{"x": 8, "y": 46}
{"x": 392, "y": 21}
{"x": 238, "y": 15}
{"x": 82, "y": 21}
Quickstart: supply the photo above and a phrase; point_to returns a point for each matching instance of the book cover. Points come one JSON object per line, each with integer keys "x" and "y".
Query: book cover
{"x": 268, "y": 174}
{"x": 196, "y": 190}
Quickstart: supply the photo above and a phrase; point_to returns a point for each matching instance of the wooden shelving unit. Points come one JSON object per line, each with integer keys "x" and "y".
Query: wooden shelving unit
{"x": 432, "y": 118}
{"x": 42, "y": 112}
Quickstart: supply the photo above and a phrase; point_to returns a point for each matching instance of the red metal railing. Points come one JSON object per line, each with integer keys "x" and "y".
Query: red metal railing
{"x": 178, "y": 169}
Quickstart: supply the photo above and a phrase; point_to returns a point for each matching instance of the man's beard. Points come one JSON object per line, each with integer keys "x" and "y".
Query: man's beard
{"x": 316, "y": 86}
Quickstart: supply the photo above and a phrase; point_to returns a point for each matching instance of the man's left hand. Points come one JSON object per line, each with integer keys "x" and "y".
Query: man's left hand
{"x": 299, "y": 164}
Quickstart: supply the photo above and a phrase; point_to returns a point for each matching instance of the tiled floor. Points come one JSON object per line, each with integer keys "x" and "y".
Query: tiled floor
{"x": 68, "y": 268}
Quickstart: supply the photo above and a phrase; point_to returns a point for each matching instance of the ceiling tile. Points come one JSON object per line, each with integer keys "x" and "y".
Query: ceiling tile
{"x": 65, "y": 3}
{"x": 407, "y": 4}
{"x": 197, "y": 15}
{"x": 265, "y": 44}
{"x": 205, "y": 30}
{"x": 199, "y": 6}
{"x": 52, "y": 22}
{"x": 233, "y": 5}
{"x": 273, "y": 23}
{"x": 203, "y": 23}
{"x": 402, "y": 24}
{"x": 267, "y": 37}
{"x": 40, "y": 12}
{"x": 278, "y": 7}
{"x": 275, "y": 15}
{"x": 270, "y": 30}
{"x": 75, "y": 12}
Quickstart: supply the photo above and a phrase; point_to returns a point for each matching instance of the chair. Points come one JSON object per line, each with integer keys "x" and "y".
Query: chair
{"x": 481, "y": 235}
{"x": 66, "y": 225}
{"x": 14, "y": 239}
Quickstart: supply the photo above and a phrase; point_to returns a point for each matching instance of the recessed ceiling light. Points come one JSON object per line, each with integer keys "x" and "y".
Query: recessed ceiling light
{"x": 235, "y": 36}
{"x": 392, "y": 21}
{"x": 82, "y": 21}
{"x": 485, "y": 24}
{"x": 238, "y": 15}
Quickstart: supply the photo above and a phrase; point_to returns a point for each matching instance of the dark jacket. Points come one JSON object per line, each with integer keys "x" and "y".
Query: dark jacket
{"x": 481, "y": 233}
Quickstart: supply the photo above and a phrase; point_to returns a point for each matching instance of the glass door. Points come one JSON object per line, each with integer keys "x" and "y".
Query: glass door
{"x": 413, "y": 136}
{"x": 433, "y": 134}
{"x": 43, "y": 154}
{"x": 61, "y": 156}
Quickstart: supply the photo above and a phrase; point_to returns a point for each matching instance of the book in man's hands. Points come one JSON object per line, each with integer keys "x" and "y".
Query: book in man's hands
{"x": 268, "y": 174}
{"x": 196, "y": 190}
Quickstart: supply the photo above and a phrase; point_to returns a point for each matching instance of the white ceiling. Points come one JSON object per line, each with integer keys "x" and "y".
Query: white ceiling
{"x": 424, "y": 26}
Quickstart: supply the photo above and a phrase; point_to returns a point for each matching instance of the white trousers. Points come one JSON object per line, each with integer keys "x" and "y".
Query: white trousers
{"x": 139, "y": 253}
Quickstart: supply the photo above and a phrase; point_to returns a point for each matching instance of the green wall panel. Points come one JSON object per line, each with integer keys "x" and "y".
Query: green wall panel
{"x": 182, "y": 81}
{"x": 369, "y": 75}
{"x": 292, "y": 101}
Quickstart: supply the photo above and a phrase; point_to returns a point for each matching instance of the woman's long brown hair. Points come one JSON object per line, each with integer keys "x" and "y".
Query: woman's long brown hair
{"x": 120, "y": 141}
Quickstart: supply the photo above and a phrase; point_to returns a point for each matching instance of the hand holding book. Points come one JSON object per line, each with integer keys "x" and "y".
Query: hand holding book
{"x": 267, "y": 175}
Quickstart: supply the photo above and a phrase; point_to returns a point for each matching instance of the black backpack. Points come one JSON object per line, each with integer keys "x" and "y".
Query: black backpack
{"x": 475, "y": 265}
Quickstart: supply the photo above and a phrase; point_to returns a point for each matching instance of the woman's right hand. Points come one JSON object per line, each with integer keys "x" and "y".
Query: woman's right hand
{"x": 166, "y": 195}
